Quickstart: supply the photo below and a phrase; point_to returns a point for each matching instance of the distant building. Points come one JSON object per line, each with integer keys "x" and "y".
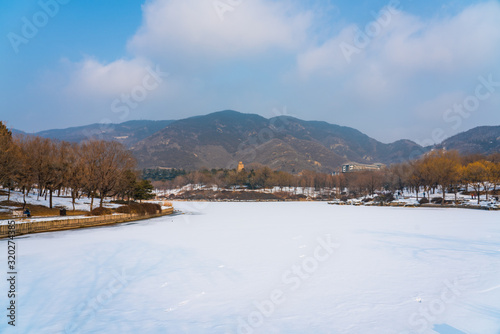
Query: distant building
{"x": 241, "y": 166}
{"x": 355, "y": 167}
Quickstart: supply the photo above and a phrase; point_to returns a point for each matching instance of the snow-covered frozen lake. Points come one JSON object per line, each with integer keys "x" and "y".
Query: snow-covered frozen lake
{"x": 265, "y": 268}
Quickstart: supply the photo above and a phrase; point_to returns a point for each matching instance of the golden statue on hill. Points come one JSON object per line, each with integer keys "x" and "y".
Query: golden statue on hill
{"x": 240, "y": 167}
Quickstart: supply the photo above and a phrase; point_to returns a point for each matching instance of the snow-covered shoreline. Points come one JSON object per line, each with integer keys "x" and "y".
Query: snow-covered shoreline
{"x": 25, "y": 220}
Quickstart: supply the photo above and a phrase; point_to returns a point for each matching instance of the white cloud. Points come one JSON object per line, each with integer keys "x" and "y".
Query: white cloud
{"x": 190, "y": 31}
{"x": 455, "y": 43}
{"x": 194, "y": 27}
{"x": 93, "y": 79}
{"x": 411, "y": 44}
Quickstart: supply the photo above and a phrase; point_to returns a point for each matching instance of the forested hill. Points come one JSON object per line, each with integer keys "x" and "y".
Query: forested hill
{"x": 127, "y": 133}
{"x": 483, "y": 139}
{"x": 221, "y": 139}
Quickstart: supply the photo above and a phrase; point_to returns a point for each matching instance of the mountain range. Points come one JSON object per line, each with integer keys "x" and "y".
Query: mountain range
{"x": 221, "y": 139}
{"x": 482, "y": 139}
{"x": 127, "y": 133}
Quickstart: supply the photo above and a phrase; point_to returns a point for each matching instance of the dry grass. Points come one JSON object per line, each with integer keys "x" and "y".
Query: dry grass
{"x": 38, "y": 210}
{"x": 10, "y": 203}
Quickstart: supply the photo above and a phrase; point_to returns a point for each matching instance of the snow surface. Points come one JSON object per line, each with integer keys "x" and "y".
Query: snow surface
{"x": 82, "y": 204}
{"x": 305, "y": 267}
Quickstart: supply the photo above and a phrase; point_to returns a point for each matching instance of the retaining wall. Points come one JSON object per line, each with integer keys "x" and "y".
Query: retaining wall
{"x": 67, "y": 224}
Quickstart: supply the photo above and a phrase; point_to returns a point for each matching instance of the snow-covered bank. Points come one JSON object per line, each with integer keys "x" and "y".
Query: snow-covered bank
{"x": 266, "y": 268}
{"x": 40, "y": 219}
{"x": 81, "y": 204}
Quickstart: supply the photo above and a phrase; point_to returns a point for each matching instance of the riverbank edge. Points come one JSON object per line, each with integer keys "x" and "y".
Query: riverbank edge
{"x": 23, "y": 228}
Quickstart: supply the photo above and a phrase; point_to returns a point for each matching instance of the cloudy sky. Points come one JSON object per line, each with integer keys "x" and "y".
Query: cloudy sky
{"x": 422, "y": 70}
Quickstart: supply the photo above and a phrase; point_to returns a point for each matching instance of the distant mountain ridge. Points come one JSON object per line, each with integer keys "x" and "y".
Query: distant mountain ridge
{"x": 128, "y": 133}
{"x": 221, "y": 139}
{"x": 482, "y": 139}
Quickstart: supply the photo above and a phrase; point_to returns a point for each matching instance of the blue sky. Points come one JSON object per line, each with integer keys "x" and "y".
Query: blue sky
{"x": 392, "y": 69}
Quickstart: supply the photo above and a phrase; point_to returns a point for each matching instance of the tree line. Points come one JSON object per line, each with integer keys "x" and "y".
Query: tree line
{"x": 450, "y": 172}
{"x": 94, "y": 168}
{"x": 161, "y": 174}
{"x": 447, "y": 171}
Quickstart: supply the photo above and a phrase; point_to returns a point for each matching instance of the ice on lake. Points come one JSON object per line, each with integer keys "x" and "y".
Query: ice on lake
{"x": 266, "y": 268}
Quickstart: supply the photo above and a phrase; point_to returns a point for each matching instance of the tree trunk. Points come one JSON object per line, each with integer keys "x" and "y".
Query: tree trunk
{"x": 50, "y": 198}
{"x": 73, "y": 198}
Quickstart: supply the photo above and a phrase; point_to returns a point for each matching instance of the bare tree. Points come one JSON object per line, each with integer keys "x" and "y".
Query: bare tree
{"x": 104, "y": 164}
{"x": 75, "y": 171}
{"x": 475, "y": 173}
{"x": 9, "y": 158}
{"x": 443, "y": 169}
{"x": 55, "y": 166}
{"x": 90, "y": 160}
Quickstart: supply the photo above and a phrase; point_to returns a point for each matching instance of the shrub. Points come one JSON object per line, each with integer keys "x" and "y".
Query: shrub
{"x": 123, "y": 209}
{"x": 385, "y": 198}
{"x": 388, "y": 197}
{"x": 424, "y": 200}
{"x": 437, "y": 200}
{"x": 140, "y": 208}
{"x": 100, "y": 212}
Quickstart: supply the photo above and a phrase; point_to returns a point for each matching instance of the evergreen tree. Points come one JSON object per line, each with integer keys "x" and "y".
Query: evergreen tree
{"x": 143, "y": 190}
